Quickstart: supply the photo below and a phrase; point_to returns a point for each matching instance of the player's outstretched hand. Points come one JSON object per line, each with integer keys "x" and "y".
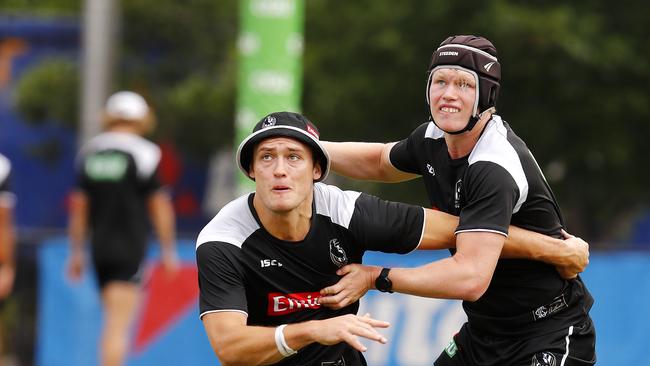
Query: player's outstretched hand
{"x": 348, "y": 328}
{"x": 576, "y": 256}
{"x": 356, "y": 281}
{"x": 170, "y": 263}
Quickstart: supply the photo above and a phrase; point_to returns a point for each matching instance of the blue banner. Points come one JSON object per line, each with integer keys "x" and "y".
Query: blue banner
{"x": 168, "y": 332}
{"x": 38, "y": 152}
{"x": 44, "y": 151}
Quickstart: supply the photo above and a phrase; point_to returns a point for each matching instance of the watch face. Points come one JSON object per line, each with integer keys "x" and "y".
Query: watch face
{"x": 383, "y": 283}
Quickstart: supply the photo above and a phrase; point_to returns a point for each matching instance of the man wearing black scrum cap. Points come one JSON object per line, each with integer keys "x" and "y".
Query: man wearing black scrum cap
{"x": 265, "y": 257}
{"x": 520, "y": 312}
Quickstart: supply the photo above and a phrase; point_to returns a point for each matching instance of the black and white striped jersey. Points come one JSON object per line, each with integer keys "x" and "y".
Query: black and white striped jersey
{"x": 499, "y": 183}
{"x": 7, "y": 198}
{"x": 245, "y": 269}
{"x": 118, "y": 172}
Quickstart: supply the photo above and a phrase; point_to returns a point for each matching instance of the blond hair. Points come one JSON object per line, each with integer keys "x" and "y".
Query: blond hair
{"x": 143, "y": 126}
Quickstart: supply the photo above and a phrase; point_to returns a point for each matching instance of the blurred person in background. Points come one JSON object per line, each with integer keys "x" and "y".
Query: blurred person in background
{"x": 266, "y": 255}
{"x": 520, "y": 312}
{"x": 117, "y": 189}
{"x": 7, "y": 239}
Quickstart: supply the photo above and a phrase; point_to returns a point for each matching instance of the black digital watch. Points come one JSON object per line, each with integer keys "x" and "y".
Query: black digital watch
{"x": 383, "y": 283}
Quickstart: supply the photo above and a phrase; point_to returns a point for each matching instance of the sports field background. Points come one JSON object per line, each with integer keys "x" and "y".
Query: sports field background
{"x": 575, "y": 86}
{"x": 168, "y": 331}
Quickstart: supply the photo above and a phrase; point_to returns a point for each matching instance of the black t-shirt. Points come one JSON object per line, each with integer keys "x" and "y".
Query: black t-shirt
{"x": 499, "y": 183}
{"x": 245, "y": 269}
{"x": 118, "y": 173}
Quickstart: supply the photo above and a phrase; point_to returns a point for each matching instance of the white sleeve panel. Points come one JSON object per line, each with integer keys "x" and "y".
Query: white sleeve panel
{"x": 5, "y": 168}
{"x": 493, "y": 146}
{"x": 145, "y": 153}
{"x": 233, "y": 224}
{"x": 335, "y": 203}
{"x": 7, "y": 199}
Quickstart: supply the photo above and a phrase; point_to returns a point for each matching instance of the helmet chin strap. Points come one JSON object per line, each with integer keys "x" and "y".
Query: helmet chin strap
{"x": 470, "y": 124}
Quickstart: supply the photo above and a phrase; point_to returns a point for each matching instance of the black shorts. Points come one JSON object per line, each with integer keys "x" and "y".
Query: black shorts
{"x": 117, "y": 260}
{"x": 110, "y": 271}
{"x": 572, "y": 346}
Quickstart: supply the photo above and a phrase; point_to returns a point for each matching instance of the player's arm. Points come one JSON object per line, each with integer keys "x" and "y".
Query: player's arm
{"x": 466, "y": 275}
{"x": 365, "y": 161}
{"x": 236, "y": 343}
{"x": 7, "y": 249}
{"x": 163, "y": 219}
{"x": 570, "y": 256}
{"x": 77, "y": 228}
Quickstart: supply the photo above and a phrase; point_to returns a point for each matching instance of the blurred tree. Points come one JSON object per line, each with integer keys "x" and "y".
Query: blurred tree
{"x": 580, "y": 74}
{"x": 179, "y": 55}
{"x": 199, "y": 116}
{"x": 574, "y": 87}
{"x": 42, "y": 7}
{"x": 183, "y": 55}
{"x": 574, "y": 83}
{"x": 49, "y": 93}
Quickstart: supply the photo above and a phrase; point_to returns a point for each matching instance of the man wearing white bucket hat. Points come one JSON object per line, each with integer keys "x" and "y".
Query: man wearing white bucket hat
{"x": 117, "y": 188}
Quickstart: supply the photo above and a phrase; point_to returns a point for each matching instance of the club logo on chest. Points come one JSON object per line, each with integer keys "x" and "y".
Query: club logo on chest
{"x": 337, "y": 253}
{"x": 457, "y": 193}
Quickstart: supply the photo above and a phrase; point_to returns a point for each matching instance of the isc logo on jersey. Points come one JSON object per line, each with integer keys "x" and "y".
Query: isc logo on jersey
{"x": 281, "y": 304}
{"x": 269, "y": 263}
